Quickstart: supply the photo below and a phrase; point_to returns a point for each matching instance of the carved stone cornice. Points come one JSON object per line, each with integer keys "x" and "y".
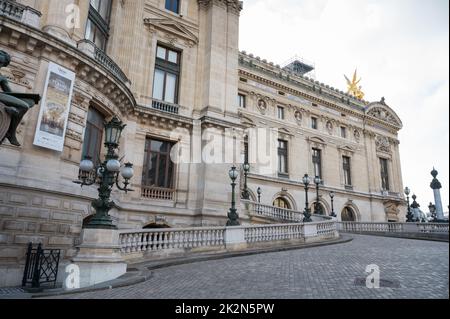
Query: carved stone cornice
{"x": 234, "y": 6}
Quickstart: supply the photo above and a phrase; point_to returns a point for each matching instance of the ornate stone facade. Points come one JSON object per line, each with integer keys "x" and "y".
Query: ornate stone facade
{"x": 39, "y": 201}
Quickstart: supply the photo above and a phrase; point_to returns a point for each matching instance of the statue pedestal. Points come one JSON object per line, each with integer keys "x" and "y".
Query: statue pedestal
{"x": 98, "y": 257}
{"x": 5, "y": 121}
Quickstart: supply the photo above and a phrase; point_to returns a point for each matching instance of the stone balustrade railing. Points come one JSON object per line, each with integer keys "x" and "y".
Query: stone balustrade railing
{"x": 267, "y": 233}
{"x": 138, "y": 244}
{"x": 165, "y": 106}
{"x": 102, "y": 58}
{"x": 20, "y": 12}
{"x": 373, "y": 227}
{"x": 157, "y": 193}
{"x": 166, "y": 239}
{"x": 288, "y": 215}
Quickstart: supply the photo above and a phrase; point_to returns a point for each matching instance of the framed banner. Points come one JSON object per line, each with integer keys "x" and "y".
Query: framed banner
{"x": 55, "y": 107}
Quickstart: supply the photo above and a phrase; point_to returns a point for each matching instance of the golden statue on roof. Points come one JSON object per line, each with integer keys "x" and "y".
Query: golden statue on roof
{"x": 353, "y": 87}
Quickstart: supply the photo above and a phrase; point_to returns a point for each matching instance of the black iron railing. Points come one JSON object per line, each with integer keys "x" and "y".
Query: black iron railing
{"x": 41, "y": 266}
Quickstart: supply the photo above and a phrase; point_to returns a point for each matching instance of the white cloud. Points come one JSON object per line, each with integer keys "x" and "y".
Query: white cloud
{"x": 400, "y": 49}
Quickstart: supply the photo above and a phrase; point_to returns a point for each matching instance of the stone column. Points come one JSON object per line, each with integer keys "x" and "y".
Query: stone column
{"x": 436, "y": 187}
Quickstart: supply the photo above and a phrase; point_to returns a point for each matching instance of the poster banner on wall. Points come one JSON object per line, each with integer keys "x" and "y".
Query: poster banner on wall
{"x": 55, "y": 107}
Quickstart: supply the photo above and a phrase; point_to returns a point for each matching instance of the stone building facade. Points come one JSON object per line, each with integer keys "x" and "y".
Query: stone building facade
{"x": 171, "y": 70}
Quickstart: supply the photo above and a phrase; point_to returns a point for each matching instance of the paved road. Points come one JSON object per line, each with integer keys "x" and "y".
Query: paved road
{"x": 409, "y": 269}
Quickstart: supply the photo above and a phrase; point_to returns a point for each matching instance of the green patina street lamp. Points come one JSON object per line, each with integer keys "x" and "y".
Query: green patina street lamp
{"x": 245, "y": 192}
{"x": 307, "y": 213}
{"x": 317, "y": 181}
{"x": 409, "y": 215}
{"x": 332, "y": 195}
{"x": 233, "y": 217}
{"x": 106, "y": 175}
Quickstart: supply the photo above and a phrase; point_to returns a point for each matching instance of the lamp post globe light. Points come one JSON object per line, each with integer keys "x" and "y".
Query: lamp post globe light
{"x": 415, "y": 208}
{"x": 259, "y": 191}
{"x": 106, "y": 175}
{"x": 233, "y": 217}
{"x": 409, "y": 215}
{"x": 317, "y": 181}
{"x": 246, "y": 193}
{"x": 332, "y": 195}
{"x": 307, "y": 213}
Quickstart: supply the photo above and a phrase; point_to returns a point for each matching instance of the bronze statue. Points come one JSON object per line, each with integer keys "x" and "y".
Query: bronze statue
{"x": 16, "y": 104}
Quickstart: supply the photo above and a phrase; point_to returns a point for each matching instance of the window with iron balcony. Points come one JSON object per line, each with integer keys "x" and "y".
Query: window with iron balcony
{"x": 158, "y": 170}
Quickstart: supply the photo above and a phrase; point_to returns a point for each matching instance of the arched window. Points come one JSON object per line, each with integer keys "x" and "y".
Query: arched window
{"x": 281, "y": 203}
{"x": 348, "y": 215}
{"x": 321, "y": 209}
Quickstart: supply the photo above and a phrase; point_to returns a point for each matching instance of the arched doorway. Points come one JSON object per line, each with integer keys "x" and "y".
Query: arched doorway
{"x": 348, "y": 215}
{"x": 321, "y": 210}
{"x": 281, "y": 202}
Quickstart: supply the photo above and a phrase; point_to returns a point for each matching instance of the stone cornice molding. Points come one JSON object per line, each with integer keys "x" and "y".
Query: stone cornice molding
{"x": 234, "y": 6}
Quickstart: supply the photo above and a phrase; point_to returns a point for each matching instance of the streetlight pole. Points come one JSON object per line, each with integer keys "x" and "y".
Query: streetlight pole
{"x": 233, "y": 217}
{"x": 106, "y": 175}
{"x": 246, "y": 193}
{"x": 409, "y": 215}
{"x": 307, "y": 213}
{"x": 317, "y": 181}
{"x": 333, "y": 214}
{"x": 259, "y": 191}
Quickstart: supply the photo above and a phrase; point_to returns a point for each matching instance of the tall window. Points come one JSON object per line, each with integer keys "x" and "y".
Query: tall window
{"x": 317, "y": 162}
{"x": 159, "y": 170}
{"x": 280, "y": 111}
{"x": 93, "y": 135}
{"x": 173, "y": 5}
{"x": 347, "y": 170}
{"x": 241, "y": 101}
{"x": 97, "y": 27}
{"x": 384, "y": 174}
{"x": 343, "y": 132}
{"x": 314, "y": 123}
{"x": 283, "y": 157}
{"x": 167, "y": 72}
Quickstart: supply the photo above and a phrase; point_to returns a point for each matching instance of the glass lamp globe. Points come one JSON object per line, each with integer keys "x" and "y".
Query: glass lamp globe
{"x": 407, "y": 191}
{"x": 332, "y": 194}
{"x": 86, "y": 165}
{"x": 259, "y": 191}
{"x": 306, "y": 180}
{"x": 113, "y": 165}
{"x": 128, "y": 171}
{"x": 233, "y": 173}
{"x": 246, "y": 167}
{"x": 317, "y": 180}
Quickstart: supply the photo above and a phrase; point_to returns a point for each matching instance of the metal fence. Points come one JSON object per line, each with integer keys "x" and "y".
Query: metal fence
{"x": 41, "y": 266}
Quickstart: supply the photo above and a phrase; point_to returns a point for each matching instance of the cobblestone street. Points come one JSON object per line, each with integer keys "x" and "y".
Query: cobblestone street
{"x": 409, "y": 269}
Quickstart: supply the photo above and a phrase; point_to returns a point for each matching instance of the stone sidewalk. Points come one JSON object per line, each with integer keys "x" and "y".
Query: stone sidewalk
{"x": 410, "y": 269}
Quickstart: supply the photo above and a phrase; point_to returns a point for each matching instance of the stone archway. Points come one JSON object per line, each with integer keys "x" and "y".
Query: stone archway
{"x": 348, "y": 214}
{"x": 282, "y": 202}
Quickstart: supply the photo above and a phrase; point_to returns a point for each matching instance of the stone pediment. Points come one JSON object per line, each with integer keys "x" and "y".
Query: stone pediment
{"x": 172, "y": 27}
{"x": 347, "y": 149}
{"x": 247, "y": 121}
{"x": 381, "y": 111}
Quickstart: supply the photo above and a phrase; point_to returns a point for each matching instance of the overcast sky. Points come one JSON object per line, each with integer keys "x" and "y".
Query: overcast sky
{"x": 400, "y": 48}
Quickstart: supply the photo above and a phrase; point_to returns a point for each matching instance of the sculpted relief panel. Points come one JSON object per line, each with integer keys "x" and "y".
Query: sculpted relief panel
{"x": 383, "y": 144}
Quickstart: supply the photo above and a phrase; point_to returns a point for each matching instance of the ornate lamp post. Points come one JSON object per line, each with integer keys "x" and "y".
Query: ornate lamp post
{"x": 246, "y": 193}
{"x": 436, "y": 186}
{"x": 307, "y": 213}
{"x": 317, "y": 181}
{"x": 233, "y": 217}
{"x": 259, "y": 191}
{"x": 332, "y": 195}
{"x": 409, "y": 215}
{"x": 106, "y": 175}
